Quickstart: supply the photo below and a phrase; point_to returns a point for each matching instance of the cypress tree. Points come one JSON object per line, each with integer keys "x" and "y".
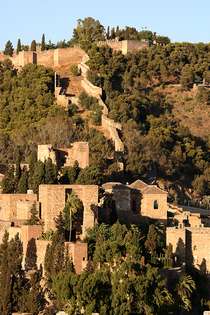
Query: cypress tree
{"x": 23, "y": 182}
{"x": 34, "y": 219}
{"x": 17, "y": 165}
{"x": 9, "y": 50}
{"x": 19, "y": 47}
{"x": 11, "y": 274}
{"x": 108, "y": 33}
{"x": 31, "y": 256}
{"x": 50, "y": 172}
{"x": 38, "y": 176}
{"x": 113, "y": 35}
{"x": 5, "y": 277}
{"x": 33, "y": 45}
{"x": 43, "y": 44}
{"x": 8, "y": 183}
{"x": 32, "y": 164}
{"x": 35, "y": 300}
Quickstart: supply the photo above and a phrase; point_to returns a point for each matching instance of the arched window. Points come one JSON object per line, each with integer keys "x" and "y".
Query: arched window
{"x": 155, "y": 204}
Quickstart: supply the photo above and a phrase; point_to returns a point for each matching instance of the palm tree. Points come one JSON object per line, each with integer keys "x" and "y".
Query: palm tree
{"x": 184, "y": 289}
{"x": 72, "y": 207}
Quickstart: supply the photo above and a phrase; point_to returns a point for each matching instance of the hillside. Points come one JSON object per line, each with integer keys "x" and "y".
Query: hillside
{"x": 188, "y": 109}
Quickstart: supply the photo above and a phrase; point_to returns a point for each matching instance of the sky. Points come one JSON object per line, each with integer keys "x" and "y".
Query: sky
{"x": 180, "y": 20}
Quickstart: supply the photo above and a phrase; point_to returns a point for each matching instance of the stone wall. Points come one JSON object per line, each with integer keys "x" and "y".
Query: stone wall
{"x": 48, "y": 58}
{"x": 192, "y": 244}
{"x": 125, "y": 46}
{"x": 9, "y": 203}
{"x": 77, "y": 251}
{"x": 91, "y": 89}
{"x": 108, "y": 124}
{"x": 45, "y": 58}
{"x": 53, "y": 197}
{"x": 112, "y": 127}
{"x": 148, "y": 209}
{"x": 79, "y": 151}
{"x": 46, "y": 151}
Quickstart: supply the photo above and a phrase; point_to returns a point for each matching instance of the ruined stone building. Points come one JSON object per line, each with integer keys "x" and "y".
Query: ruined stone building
{"x": 79, "y": 151}
{"x": 190, "y": 236}
{"x": 138, "y": 200}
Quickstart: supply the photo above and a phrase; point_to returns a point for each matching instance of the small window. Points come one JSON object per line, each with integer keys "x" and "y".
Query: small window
{"x": 155, "y": 205}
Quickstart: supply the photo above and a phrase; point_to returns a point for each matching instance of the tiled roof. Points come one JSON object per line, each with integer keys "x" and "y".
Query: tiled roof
{"x": 138, "y": 184}
{"x": 153, "y": 189}
{"x": 111, "y": 185}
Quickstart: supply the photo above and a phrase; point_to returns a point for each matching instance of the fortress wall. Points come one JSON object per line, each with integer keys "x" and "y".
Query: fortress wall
{"x": 105, "y": 110}
{"x": 46, "y": 58}
{"x": 41, "y": 247}
{"x": 176, "y": 237}
{"x": 192, "y": 245}
{"x": 79, "y": 254}
{"x": 53, "y": 198}
{"x": 8, "y": 204}
{"x": 125, "y": 46}
{"x": 78, "y": 152}
{"x": 24, "y": 209}
{"x": 136, "y": 45}
{"x": 109, "y": 124}
{"x": 91, "y": 89}
{"x": 114, "y": 44}
{"x": 112, "y": 127}
{"x": 46, "y": 151}
{"x": 70, "y": 56}
{"x": 199, "y": 247}
{"x": 84, "y": 69}
{"x": 77, "y": 251}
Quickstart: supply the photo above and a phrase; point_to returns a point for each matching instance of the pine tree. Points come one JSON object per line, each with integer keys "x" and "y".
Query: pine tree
{"x": 9, "y": 50}
{"x": 19, "y": 47}
{"x": 50, "y": 172}
{"x": 33, "y": 45}
{"x": 23, "y": 182}
{"x": 43, "y": 44}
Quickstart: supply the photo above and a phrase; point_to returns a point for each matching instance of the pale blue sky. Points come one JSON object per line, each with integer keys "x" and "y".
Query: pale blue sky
{"x": 181, "y": 20}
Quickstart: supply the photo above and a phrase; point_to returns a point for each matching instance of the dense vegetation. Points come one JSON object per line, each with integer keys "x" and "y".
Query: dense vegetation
{"x": 129, "y": 273}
